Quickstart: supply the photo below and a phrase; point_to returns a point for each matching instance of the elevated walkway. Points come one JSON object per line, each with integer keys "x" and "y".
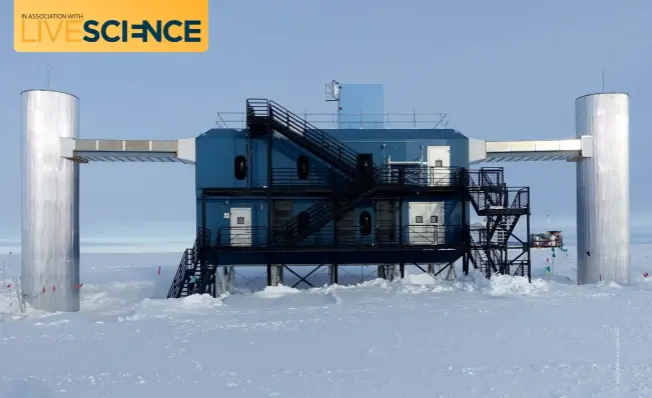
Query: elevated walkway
{"x": 151, "y": 151}
{"x": 183, "y": 151}
{"x": 570, "y": 150}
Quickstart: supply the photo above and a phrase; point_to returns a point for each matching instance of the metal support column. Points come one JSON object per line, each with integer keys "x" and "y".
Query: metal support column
{"x": 276, "y": 275}
{"x": 228, "y": 279}
{"x": 202, "y": 244}
{"x": 270, "y": 182}
{"x": 466, "y": 228}
{"x": 333, "y": 274}
{"x": 528, "y": 250}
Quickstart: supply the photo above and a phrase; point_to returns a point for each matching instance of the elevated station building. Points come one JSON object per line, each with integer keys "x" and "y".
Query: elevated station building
{"x": 281, "y": 192}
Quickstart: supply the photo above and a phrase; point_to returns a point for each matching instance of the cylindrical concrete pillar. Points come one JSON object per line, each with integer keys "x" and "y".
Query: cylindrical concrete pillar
{"x": 603, "y": 189}
{"x": 50, "y": 202}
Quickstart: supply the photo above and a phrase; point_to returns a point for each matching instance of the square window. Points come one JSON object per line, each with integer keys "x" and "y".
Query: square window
{"x": 240, "y": 221}
{"x": 439, "y": 163}
{"x": 419, "y": 220}
{"x": 434, "y": 219}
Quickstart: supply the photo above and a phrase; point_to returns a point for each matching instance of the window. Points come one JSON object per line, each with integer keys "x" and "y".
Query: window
{"x": 434, "y": 219}
{"x": 419, "y": 220}
{"x": 240, "y": 221}
{"x": 364, "y": 162}
{"x": 365, "y": 223}
{"x": 240, "y": 167}
{"x": 439, "y": 163}
{"x": 281, "y": 212}
{"x": 302, "y": 167}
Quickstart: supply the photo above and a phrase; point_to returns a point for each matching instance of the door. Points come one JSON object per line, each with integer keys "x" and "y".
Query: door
{"x": 241, "y": 226}
{"x": 426, "y": 223}
{"x": 434, "y": 220}
{"x": 439, "y": 163}
{"x": 386, "y": 222}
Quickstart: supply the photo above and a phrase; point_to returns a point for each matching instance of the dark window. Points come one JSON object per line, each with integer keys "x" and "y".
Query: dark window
{"x": 365, "y": 223}
{"x": 303, "y": 221}
{"x": 434, "y": 219}
{"x": 240, "y": 220}
{"x": 419, "y": 220}
{"x": 439, "y": 163}
{"x": 240, "y": 167}
{"x": 302, "y": 167}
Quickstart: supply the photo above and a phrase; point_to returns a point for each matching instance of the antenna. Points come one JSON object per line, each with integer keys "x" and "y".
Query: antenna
{"x": 602, "y": 72}
{"x": 548, "y": 222}
{"x": 49, "y": 72}
{"x": 333, "y": 91}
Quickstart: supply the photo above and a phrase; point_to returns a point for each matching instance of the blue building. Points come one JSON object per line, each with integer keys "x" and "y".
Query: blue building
{"x": 283, "y": 192}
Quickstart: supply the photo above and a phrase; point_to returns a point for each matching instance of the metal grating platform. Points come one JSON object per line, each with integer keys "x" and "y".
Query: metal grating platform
{"x": 570, "y": 150}
{"x": 151, "y": 151}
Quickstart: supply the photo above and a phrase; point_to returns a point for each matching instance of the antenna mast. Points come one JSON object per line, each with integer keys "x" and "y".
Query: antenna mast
{"x": 602, "y": 73}
{"x": 49, "y": 72}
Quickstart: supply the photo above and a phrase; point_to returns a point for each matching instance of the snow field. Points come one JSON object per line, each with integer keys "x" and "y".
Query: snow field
{"x": 416, "y": 337}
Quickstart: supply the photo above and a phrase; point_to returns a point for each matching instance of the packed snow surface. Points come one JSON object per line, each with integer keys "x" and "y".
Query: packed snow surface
{"x": 416, "y": 337}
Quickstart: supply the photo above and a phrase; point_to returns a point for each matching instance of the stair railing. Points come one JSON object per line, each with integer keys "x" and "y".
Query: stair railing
{"x": 178, "y": 281}
{"x": 302, "y": 127}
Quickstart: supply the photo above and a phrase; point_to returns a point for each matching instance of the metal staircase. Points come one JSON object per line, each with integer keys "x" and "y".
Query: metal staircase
{"x": 188, "y": 266}
{"x": 503, "y": 207}
{"x": 316, "y": 217}
{"x": 264, "y": 115}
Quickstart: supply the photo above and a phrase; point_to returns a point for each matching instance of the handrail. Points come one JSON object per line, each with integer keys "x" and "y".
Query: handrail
{"x": 302, "y": 127}
{"x": 177, "y": 282}
{"x": 521, "y": 199}
{"x": 387, "y": 175}
{"x": 203, "y": 236}
{"x": 329, "y": 121}
{"x": 286, "y": 119}
{"x": 408, "y": 235}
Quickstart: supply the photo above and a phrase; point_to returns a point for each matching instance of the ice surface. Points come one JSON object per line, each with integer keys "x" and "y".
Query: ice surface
{"x": 416, "y": 337}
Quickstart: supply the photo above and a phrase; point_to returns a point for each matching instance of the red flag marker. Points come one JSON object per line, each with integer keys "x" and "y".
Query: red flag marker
{"x": 43, "y": 291}
{"x": 54, "y": 288}
{"x": 159, "y": 271}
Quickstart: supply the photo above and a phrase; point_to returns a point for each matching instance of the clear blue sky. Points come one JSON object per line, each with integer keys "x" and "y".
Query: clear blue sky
{"x": 503, "y": 69}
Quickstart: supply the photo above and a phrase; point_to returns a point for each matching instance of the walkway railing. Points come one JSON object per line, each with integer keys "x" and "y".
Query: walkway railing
{"x": 406, "y": 236}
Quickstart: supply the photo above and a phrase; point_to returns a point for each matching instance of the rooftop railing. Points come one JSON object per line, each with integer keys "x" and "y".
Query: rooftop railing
{"x": 237, "y": 120}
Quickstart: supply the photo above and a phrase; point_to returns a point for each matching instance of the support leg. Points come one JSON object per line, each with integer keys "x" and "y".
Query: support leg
{"x": 276, "y": 275}
{"x": 333, "y": 276}
{"x": 391, "y": 271}
{"x": 228, "y": 279}
{"x": 451, "y": 275}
